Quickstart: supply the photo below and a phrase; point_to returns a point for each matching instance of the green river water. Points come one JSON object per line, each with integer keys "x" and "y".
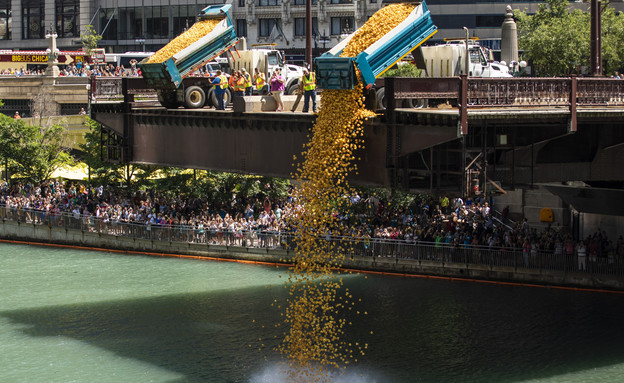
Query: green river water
{"x": 88, "y": 316}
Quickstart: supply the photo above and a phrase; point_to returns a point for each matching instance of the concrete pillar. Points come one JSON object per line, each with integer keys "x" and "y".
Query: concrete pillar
{"x": 509, "y": 38}
{"x": 16, "y": 20}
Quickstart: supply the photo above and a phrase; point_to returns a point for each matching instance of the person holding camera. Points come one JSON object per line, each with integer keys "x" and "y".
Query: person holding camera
{"x": 277, "y": 88}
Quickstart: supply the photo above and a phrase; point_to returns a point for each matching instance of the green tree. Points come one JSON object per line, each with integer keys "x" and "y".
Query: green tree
{"x": 34, "y": 152}
{"x": 557, "y": 38}
{"x": 90, "y": 38}
{"x": 109, "y": 173}
{"x": 92, "y": 156}
{"x": 403, "y": 70}
{"x": 612, "y": 40}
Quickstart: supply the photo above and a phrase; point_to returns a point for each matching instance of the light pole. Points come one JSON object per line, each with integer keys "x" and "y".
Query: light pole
{"x": 308, "y": 50}
{"x": 324, "y": 39}
{"x": 467, "y": 63}
{"x": 52, "y": 52}
{"x": 142, "y": 42}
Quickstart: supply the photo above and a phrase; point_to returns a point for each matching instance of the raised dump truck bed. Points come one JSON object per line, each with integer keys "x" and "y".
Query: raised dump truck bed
{"x": 172, "y": 77}
{"x": 335, "y": 72}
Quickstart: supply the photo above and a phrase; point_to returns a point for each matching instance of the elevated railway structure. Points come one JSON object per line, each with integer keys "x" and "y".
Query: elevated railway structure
{"x": 509, "y": 131}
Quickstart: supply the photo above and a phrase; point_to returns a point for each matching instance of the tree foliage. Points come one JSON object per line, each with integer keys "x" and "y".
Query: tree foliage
{"x": 403, "y": 70}
{"x": 612, "y": 40}
{"x": 219, "y": 187}
{"x": 90, "y": 38}
{"x": 557, "y": 38}
{"x": 33, "y": 152}
{"x": 108, "y": 173}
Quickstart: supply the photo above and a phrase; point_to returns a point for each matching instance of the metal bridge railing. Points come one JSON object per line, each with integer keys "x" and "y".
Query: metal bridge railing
{"x": 349, "y": 247}
{"x": 481, "y": 92}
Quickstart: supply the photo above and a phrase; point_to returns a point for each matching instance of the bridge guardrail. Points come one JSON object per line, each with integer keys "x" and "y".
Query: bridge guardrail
{"x": 419, "y": 251}
{"x": 119, "y": 89}
{"x": 481, "y": 92}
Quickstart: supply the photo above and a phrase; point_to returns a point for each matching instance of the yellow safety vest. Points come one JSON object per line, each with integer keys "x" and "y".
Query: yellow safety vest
{"x": 259, "y": 80}
{"x": 240, "y": 84}
{"x": 248, "y": 82}
{"x": 224, "y": 82}
{"x": 309, "y": 83}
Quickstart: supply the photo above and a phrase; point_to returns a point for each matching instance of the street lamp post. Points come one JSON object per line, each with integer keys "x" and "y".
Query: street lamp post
{"x": 142, "y": 42}
{"x": 308, "y": 51}
{"x": 324, "y": 39}
{"x": 52, "y": 52}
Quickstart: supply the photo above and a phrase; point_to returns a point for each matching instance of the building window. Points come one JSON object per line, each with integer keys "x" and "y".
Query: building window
{"x": 341, "y": 1}
{"x": 131, "y": 25}
{"x": 303, "y": 2}
{"x": 33, "y": 17}
{"x": 157, "y": 22}
{"x": 300, "y": 26}
{"x": 241, "y": 27}
{"x": 340, "y": 25}
{"x": 268, "y": 3}
{"x": 67, "y": 17}
{"x": 108, "y": 23}
{"x": 266, "y": 26}
{"x": 489, "y": 21}
{"x": 5, "y": 20}
{"x": 241, "y": 3}
{"x": 183, "y": 17}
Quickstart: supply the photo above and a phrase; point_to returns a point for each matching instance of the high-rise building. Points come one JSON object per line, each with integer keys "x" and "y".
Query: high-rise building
{"x": 147, "y": 25}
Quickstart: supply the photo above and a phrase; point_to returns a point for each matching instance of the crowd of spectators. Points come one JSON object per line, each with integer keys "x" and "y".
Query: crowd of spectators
{"x": 437, "y": 222}
{"x": 78, "y": 70}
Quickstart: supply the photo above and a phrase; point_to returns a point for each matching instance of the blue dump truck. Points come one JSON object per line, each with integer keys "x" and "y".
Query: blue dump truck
{"x": 335, "y": 72}
{"x": 173, "y": 78}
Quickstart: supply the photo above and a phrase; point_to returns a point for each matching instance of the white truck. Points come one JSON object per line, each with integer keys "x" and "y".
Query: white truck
{"x": 266, "y": 59}
{"x": 447, "y": 60}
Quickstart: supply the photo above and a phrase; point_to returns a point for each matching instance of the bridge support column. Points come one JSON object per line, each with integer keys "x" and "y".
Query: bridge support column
{"x": 573, "y": 88}
{"x": 128, "y": 129}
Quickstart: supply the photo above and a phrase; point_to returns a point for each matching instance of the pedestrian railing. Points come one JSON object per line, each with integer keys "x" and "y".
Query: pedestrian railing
{"x": 349, "y": 247}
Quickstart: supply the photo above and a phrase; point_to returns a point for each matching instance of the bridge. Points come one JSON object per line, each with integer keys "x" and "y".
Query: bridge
{"x": 511, "y": 132}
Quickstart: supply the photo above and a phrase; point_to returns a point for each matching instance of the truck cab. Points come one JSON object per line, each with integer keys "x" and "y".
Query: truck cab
{"x": 480, "y": 66}
{"x": 266, "y": 58}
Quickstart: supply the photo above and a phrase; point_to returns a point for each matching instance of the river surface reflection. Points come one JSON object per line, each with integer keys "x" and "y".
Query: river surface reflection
{"x": 88, "y": 316}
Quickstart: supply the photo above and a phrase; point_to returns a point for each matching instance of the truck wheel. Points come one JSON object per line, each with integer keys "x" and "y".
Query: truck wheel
{"x": 415, "y": 103}
{"x": 293, "y": 89}
{"x": 381, "y": 99}
{"x": 168, "y": 100}
{"x": 227, "y": 98}
{"x": 194, "y": 97}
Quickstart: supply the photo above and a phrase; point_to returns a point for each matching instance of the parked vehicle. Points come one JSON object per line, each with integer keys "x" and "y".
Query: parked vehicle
{"x": 267, "y": 59}
{"x": 173, "y": 79}
{"x": 448, "y": 60}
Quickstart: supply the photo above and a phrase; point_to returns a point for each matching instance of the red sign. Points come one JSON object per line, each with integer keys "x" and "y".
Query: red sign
{"x": 40, "y": 57}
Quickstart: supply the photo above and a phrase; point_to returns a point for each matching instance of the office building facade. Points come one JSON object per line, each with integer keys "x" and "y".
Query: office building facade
{"x": 147, "y": 25}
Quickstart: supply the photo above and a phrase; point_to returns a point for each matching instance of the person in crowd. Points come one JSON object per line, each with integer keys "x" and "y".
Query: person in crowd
{"x": 581, "y": 253}
{"x": 221, "y": 84}
{"x": 248, "y": 82}
{"x": 237, "y": 83}
{"x": 259, "y": 80}
{"x": 307, "y": 84}
{"x": 277, "y": 88}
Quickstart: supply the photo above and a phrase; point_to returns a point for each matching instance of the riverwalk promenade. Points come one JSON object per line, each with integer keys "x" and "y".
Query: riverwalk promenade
{"x": 363, "y": 254}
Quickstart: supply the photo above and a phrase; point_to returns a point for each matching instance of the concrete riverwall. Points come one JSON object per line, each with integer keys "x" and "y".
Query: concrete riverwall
{"x": 11, "y": 230}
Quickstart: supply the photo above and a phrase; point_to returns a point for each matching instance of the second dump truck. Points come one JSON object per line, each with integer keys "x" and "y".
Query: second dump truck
{"x": 335, "y": 72}
{"x": 172, "y": 78}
